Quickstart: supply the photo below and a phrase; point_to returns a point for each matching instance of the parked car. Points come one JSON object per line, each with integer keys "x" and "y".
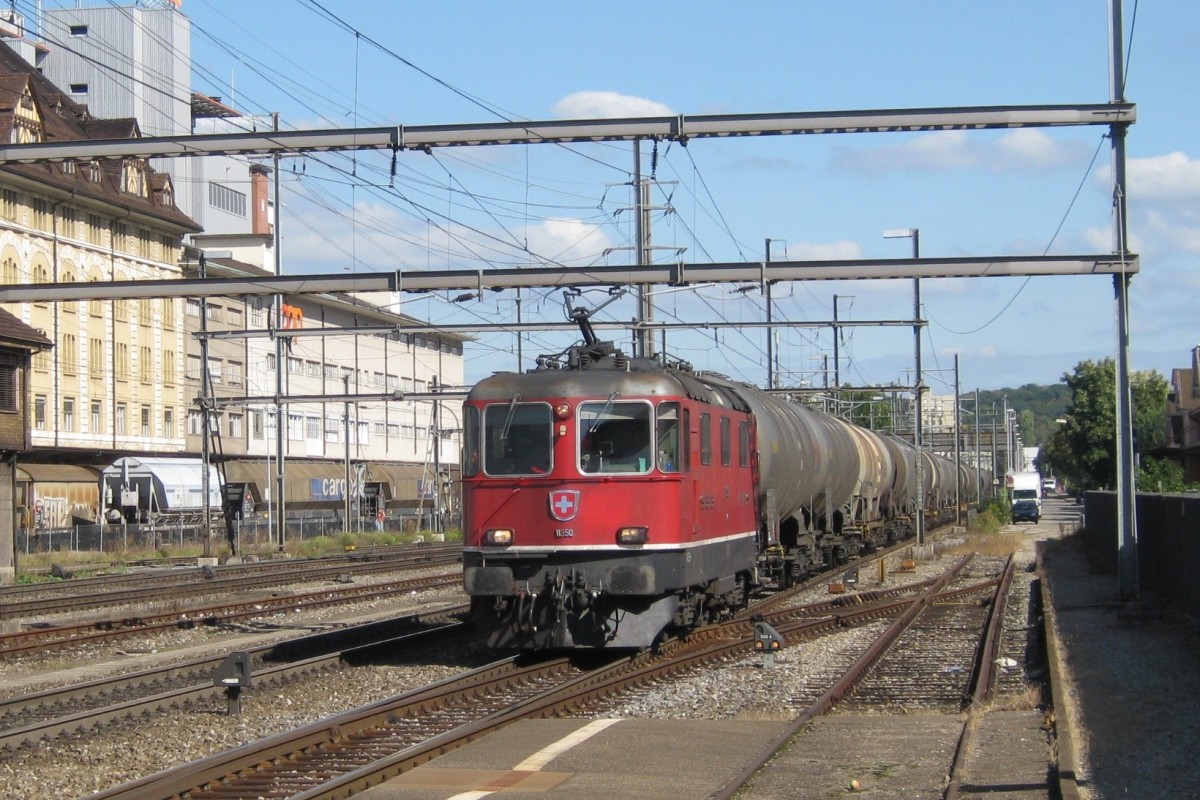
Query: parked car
{"x": 1025, "y": 511}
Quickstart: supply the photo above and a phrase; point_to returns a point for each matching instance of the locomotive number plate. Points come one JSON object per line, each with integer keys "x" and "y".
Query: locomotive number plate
{"x": 564, "y": 533}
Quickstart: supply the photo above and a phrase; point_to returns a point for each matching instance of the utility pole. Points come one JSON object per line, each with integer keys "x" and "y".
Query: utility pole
{"x": 958, "y": 487}
{"x": 1126, "y": 488}
{"x": 280, "y": 418}
{"x": 978, "y": 455}
{"x": 346, "y": 432}
{"x": 837, "y": 379}
{"x": 770, "y": 329}
{"x": 206, "y": 419}
{"x": 644, "y": 341}
{"x": 437, "y": 457}
{"x": 918, "y": 444}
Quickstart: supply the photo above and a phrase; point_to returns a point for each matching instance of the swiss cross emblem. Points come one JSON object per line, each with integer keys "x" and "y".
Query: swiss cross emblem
{"x": 564, "y": 504}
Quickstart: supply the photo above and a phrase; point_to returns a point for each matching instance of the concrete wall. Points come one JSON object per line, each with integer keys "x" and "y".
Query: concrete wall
{"x": 1168, "y": 543}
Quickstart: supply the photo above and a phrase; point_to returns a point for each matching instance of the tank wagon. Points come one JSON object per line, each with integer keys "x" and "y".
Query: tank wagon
{"x": 609, "y": 499}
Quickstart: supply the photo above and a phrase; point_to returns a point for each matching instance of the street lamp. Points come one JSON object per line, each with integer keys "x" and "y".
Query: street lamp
{"x": 915, "y": 235}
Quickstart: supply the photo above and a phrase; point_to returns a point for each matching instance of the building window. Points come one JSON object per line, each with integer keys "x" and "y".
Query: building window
{"x": 295, "y": 427}
{"x": 193, "y": 307}
{"x": 68, "y": 414}
{"x": 95, "y": 357}
{"x": 79, "y": 88}
{"x": 70, "y": 354}
{"x": 312, "y": 368}
{"x": 120, "y": 423}
{"x": 331, "y": 429}
{"x": 39, "y": 412}
{"x": 193, "y": 368}
{"x": 270, "y": 362}
{"x": 169, "y": 423}
{"x": 195, "y": 422}
{"x": 146, "y": 421}
{"x": 41, "y": 213}
{"x": 235, "y": 425}
{"x": 312, "y": 428}
{"x": 122, "y": 366}
{"x": 233, "y": 372}
{"x": 256, "y": 424}
{"x": 120, "y": 237}
{"x": 10, "y": 204}
{"x": 146, "y": 364}
{"x": 226, "y": 199}
{"x": 168, "y": 367}
{"x": 133, "y": 181}
{"x": 295, "y": 366}
{"x": 97, "y": 416}
{"x": 214, "y": 370}
{"x": 79, "y": 30}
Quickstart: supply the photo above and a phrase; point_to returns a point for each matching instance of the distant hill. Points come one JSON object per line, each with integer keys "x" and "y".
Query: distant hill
{"x": 1037, "y": 408}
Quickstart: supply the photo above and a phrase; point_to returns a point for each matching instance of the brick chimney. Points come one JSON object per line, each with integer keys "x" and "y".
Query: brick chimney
{"x": 260, "y": 218}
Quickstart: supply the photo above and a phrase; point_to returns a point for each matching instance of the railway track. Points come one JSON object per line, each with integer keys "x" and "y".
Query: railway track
{"x": 17, "y": 602}
{"x": 84, "y": 707}
{"x": 39, "y": 640}
{"x": 349, "y": 752}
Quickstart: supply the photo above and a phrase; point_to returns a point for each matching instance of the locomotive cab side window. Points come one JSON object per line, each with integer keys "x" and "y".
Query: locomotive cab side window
{"x": 726, "y": 443}
{"x": 615, "y": 437}
{"x": 743, "y": 443}
{"x": 470, "y": 441}
{"x": 516, "y": 439}
{"x": 668, "y": 437}
{"x": 705, "y": 439}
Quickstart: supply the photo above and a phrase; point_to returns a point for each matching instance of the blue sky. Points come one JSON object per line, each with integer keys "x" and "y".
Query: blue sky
{"x": 1023, "y": 192}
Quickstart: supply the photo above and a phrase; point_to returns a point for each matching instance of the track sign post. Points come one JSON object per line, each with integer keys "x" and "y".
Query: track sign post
{"x": 234, "y": 675}
{"x": 768, "y": 642}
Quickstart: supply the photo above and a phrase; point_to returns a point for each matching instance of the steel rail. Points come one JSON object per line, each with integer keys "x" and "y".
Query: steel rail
{"x": 200, "y": 672}
{"x": 984, "y": 680}
{"x": 24, "y": 642}
{"x": 177, "y": 588}
{"x": 847, "y": 682}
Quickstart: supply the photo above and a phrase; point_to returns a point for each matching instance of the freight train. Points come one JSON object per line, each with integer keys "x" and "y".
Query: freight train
{"x": 610, "y": 500}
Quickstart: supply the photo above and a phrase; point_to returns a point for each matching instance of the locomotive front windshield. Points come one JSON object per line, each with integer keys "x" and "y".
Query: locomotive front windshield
{"x": 615, "y": 437}
{"x": 516, "y": 439}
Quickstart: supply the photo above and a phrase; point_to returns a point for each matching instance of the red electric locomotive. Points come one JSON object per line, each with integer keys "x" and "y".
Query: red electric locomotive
{"x": 606, "y": 502}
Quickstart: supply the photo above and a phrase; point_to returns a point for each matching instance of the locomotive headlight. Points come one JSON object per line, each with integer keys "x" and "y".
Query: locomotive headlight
{"x": 633, "y": 535}
{"x": 498, "y": 536}
{"x": 562, "y": 410}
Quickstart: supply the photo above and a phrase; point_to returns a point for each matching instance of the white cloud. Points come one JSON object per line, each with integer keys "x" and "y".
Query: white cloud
{"x": 1164, "y": 204}
{"x": 1171, "y": 177}
{"x": 568, "y": 241}
{"x": 607, "y": 105}
{"x": 1021, "y": 150}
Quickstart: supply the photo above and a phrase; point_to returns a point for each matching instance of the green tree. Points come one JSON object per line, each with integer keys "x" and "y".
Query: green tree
{"x": 865, "y": 409}
{"x": 1084, "y": 448}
